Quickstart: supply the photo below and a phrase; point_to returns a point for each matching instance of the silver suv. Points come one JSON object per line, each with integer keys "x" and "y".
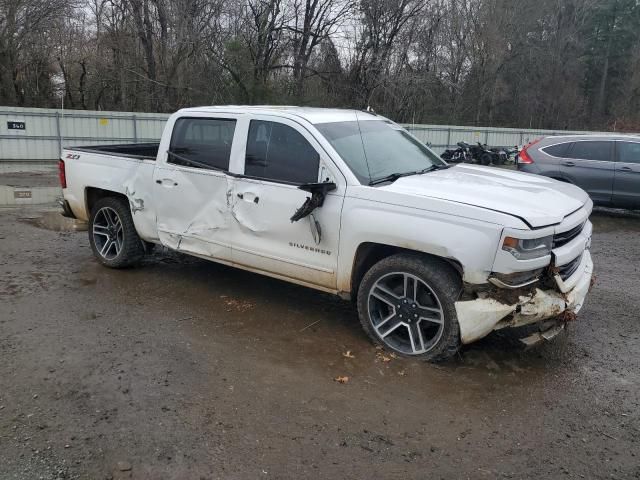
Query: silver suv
{"x": 606, "y": 166}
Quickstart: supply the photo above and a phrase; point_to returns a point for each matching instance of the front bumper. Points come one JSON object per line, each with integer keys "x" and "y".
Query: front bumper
{"x": 477, "y": 318}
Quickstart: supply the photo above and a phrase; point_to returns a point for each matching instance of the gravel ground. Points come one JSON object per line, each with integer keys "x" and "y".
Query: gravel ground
{"x": 184, "y": 369}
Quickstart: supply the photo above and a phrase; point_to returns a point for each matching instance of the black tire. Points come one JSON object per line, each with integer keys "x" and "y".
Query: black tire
{"x": 149, "y": 247}
{"x": 485, "y": 159}
{"x": 131, "y": 248}
{"x": 441, "y": 286}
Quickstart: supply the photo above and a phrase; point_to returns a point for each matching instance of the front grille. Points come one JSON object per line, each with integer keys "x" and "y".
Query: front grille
{"x": 565, "y": 271}
{"x": 560, "y": 239}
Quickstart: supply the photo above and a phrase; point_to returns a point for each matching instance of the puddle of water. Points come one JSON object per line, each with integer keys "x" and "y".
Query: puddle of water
{"x": 56, "y": 222}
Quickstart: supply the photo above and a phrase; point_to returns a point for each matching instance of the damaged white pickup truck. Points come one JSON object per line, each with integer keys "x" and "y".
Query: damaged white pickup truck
{"x": 350, "y": 203}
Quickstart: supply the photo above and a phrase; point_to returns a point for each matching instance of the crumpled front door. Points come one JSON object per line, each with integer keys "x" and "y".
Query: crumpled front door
{"x": 265, "y": 238}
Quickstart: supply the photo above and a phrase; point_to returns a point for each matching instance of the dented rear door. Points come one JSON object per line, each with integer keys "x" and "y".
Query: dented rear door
{"x": 192, "y": 186}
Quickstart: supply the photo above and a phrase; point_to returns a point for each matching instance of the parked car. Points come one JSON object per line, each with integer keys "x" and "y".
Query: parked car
{"x": 607, "y": 167}
{"x": 349, "y": 203}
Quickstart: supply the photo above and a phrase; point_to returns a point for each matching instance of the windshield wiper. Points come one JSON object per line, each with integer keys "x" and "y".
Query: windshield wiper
{"x": 395, "y": 176}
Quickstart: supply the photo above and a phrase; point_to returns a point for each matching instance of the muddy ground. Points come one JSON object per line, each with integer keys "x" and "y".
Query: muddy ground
{"x": 184, "y": 369}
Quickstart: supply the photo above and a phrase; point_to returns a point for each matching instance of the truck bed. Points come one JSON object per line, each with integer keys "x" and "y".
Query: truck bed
{"x": 146, "y": 151}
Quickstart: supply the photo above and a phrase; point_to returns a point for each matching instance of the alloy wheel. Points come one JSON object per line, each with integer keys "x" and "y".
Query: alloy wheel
{"x": 108, "y": 235}
{"x": 405, "y": 313}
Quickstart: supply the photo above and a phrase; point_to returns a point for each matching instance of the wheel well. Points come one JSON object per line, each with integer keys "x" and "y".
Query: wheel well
{"x": 369, "y": 253}
{"x": 560, "y": 179}
{"x": 92, "y": 195}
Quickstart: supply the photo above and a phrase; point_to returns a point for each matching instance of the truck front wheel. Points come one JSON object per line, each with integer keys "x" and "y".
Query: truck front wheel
{"x": 112, "y": 234}
{"x": 406, "y": 303}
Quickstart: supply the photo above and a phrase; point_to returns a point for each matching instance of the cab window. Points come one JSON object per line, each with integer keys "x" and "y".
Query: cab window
{"x": 202, "y": 143}
{"x": 278, "y": 152}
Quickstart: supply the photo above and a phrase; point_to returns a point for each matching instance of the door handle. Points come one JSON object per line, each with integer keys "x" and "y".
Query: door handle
{"x": 167, "y": 182}
{"x": 250, "y": 197}
{"x": 569, "y": 164}
{"x": 626, "y": 169}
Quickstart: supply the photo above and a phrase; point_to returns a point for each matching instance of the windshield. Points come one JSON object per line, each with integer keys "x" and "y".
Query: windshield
{"x": 375, "y": 149}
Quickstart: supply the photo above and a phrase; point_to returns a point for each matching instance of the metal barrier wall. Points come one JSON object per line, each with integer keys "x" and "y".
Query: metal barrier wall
{"x": 28, "y": 134}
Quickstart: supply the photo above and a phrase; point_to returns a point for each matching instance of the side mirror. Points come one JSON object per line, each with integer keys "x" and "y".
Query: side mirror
{"x": 318, "y": 193}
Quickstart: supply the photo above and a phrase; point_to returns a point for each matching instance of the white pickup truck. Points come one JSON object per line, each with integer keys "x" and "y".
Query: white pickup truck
{"x": 350, "y": 203}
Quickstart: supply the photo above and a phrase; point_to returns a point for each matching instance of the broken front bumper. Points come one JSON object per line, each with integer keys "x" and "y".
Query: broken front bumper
{"x": 477, "y": 318}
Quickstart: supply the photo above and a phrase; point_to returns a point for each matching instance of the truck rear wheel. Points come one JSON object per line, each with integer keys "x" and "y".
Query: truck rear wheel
{"x": 112, "y": 234}
{"x": 406, "y": 304}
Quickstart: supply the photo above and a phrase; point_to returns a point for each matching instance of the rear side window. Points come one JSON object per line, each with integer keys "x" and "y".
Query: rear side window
{"x": 591, "y": 151}
{"x": 278, "y": 152}
{"x": 628, "y": 152}
{"x": 202, "y": 142}
{"x": 560, "y": 150}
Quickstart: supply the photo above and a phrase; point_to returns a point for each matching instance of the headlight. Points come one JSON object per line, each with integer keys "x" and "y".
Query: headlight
{"x": 528, "y": 249}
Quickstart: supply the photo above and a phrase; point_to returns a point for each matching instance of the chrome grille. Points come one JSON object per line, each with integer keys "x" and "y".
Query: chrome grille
{"x": 560, "y": 239}
{"x": 565, "y": 271}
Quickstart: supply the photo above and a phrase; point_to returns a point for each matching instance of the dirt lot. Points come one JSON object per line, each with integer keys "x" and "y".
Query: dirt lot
{"x": 185, "y": 369}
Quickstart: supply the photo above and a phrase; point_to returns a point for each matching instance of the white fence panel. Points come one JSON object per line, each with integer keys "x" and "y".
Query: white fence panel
{"x": 39, "y": 134}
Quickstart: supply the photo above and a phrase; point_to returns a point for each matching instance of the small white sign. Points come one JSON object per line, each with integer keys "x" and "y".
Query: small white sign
{"x": 16, "y": 126}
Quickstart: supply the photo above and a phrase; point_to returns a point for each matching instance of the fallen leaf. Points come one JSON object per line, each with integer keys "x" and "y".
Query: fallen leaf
{"x": 383, "y": 357}
{"x": 348, "y": 354}
{"x": 341, "y": 379}
{"x": 402, "y": 373}
{"x": 237, "y": 305}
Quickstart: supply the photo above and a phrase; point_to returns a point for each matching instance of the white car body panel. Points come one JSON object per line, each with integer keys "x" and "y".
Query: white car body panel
{"x": 461, "y": 214}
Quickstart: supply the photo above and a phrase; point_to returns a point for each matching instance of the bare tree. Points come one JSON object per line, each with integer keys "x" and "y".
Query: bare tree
{"x": 314, "y": 21}
{"x": 381, "y": 23}
{"x": 540, "y": 63}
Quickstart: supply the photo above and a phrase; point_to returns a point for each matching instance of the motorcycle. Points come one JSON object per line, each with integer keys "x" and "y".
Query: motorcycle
{"x": 480, "y": 154}
{"x": 458, "y": 155}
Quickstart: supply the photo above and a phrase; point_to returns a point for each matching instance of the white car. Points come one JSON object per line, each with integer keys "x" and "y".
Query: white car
{"x": 350, "y": 203}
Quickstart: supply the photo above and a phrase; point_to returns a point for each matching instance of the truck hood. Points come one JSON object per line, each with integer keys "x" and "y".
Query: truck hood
{"x": 537, "y": 200}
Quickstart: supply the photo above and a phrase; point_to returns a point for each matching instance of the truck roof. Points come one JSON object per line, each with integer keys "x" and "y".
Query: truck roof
{"x": 311, "y": 114}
